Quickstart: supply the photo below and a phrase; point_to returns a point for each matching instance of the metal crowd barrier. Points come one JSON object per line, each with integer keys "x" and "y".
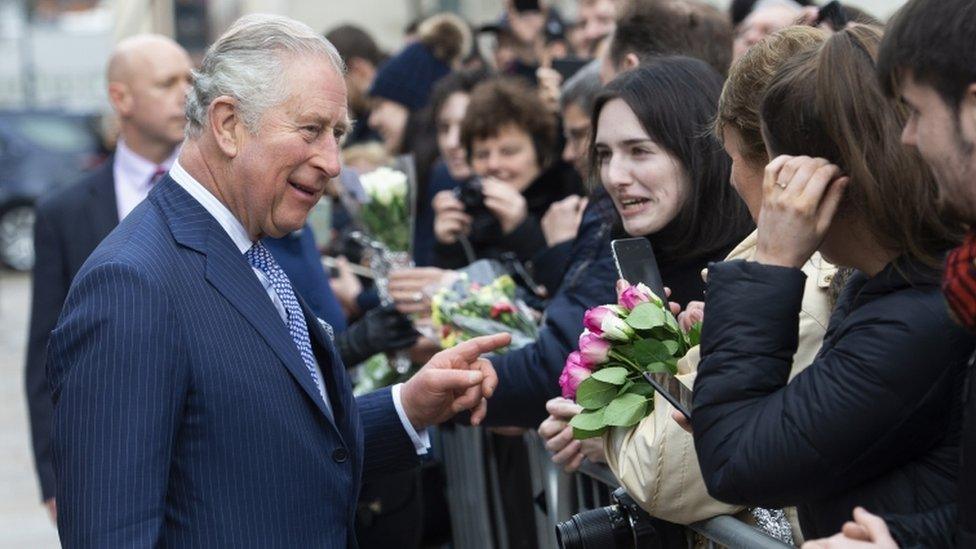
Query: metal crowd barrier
{"x": 478, "y": 522}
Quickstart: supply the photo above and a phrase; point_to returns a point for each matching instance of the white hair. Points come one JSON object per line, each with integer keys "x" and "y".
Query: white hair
{"x": 247, "y": 63}
{"x": 763, "y": 4}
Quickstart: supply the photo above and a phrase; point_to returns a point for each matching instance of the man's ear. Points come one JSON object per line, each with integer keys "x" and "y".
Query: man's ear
{"x": 121, "y": 98}
{"x": 225, "y": 124}
{"x": 629, "y": 62}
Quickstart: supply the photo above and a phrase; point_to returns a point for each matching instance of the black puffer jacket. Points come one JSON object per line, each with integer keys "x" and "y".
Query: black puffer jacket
{"x": 874, "y": 421}
{"x": 966, "y": 534}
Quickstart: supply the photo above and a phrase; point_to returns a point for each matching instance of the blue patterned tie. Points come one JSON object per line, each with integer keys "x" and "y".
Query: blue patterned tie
{"x": 260, "y": 258}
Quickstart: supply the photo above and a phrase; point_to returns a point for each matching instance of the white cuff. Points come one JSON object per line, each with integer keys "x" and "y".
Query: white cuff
{"x": 421, "y": 440}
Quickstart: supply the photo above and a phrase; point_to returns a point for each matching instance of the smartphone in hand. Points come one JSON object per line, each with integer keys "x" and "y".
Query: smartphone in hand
{"x": 675, "y": 392}
{"x": 635, "y": 261}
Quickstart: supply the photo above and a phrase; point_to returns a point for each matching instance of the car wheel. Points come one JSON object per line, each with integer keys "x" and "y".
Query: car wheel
{"x": 17, "y": 237}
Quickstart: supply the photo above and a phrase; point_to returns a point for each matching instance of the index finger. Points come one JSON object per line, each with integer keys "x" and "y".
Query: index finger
{"x": 473, "y": 348}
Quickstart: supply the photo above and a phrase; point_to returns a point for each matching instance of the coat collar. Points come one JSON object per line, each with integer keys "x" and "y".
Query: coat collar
{"x": 231, "y": 275}
{"x": 104, "y": 211}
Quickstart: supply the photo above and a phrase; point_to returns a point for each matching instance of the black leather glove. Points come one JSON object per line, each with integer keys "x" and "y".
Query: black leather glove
{"x": 381, "y": 330}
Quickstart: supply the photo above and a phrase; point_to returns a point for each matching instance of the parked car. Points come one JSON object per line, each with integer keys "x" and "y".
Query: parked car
{"x": 40, "y": 151}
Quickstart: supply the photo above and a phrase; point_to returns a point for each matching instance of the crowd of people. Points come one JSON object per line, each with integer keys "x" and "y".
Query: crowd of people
{"x": 806, "y": 176}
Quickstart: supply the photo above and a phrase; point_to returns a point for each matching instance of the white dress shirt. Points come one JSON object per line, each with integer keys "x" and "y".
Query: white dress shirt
{"x": 242, "y": 240}
{"x": 133, "y": 174}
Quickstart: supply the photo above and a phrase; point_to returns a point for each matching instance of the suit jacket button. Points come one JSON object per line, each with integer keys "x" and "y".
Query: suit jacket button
{"x": 340, "y": 455}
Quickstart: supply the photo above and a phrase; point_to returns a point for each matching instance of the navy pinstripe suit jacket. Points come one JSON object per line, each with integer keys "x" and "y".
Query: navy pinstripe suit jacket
{"x": 184, "y": 415}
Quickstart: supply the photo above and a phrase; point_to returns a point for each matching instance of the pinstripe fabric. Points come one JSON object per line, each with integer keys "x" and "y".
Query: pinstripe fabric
{"x": 184, "y": 414}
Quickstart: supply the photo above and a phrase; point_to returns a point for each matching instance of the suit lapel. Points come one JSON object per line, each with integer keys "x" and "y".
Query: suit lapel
{"x": 230, "y": 274}
{"x": 103, "y": 210}
{"x": 333, "y": 372}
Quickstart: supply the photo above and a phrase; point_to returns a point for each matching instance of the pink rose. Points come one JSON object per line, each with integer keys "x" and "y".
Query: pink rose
{"x": 604, "y": 321}
{"x": 632, "y": 296}
{"x": 574, "y": 372}
{"x": 593, "y": 349}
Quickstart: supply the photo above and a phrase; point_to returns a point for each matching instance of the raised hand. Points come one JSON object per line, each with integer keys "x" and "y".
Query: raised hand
{"x": 505, "y": 203}
{"x": 450, "y": 220}
{"x": 800, "y": 198}
{"x": 562, "y": 220}
{"x": 455, "y": 380}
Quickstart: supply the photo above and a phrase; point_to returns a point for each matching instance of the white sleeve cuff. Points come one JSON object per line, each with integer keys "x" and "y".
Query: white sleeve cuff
{"x": 421, "y": 440}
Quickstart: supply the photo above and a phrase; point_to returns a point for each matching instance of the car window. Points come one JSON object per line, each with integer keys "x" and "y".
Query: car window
{"x": 64, "y": 135}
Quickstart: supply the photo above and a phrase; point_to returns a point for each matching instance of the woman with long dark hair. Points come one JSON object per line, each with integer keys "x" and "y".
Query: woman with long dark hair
{"x": 667, "y": 180}
{"x": 667, "y": 175}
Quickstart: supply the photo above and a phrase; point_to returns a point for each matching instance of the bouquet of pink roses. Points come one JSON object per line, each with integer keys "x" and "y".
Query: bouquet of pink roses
{"x": 621, "y": 342}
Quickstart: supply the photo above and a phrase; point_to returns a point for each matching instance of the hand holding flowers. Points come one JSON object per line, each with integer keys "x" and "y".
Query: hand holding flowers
{"x": 621, "y": 342}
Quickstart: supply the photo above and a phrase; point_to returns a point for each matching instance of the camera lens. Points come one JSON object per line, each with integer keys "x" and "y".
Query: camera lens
{"x": 603, "y": 528}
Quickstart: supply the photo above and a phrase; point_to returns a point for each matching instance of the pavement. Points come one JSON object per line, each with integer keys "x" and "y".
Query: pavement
{"x": 24, "y": 522}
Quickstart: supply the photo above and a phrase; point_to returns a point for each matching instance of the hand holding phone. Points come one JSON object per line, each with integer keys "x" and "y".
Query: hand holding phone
{"x": 636, "y": 264}
{"x": 675, "y": 392}
{"x": 635, "y": 261}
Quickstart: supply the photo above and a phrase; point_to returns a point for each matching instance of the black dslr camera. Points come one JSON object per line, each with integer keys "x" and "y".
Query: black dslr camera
{"x": 484, "y": 226}
{"x": 623, "y": 524}
{"x": 471, "y": 194}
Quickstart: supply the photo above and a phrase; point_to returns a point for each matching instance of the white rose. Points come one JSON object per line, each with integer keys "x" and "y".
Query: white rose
{"x": 383, "y": 184}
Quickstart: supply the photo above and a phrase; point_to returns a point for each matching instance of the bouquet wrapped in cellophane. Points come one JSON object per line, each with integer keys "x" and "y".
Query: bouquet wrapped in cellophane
{"x": 388, "y": 215}
{"x": 482, "y": 300}
{"x": 622, "y": 341}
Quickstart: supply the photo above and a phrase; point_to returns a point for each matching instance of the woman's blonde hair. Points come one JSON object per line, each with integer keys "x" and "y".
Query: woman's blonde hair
{"x": 738, "y": 107}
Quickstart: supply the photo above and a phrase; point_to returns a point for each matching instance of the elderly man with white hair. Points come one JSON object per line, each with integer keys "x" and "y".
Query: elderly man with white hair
{"x": 198, "y": 402}
{"x": 766, "y": 17}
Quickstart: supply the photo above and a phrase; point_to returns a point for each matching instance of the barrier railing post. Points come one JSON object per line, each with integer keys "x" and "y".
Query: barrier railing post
{"x": 556, "y": 487}
{"x": 467, "y": 490}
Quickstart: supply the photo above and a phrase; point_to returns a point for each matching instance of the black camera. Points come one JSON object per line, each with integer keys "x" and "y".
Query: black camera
{"x": 623, "y": 524}
{"x": 471, "y": 194}
{"x": 484, "y": 226}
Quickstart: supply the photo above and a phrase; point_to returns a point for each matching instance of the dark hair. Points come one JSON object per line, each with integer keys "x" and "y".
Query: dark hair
{"x": 675, "y": 99}
{"x": 667, "y": 27}
{"x": 503, "y": 100}
{"x": 462, "y": 81}
{"x": 352, "y": 41}
{"x": 858, "y": 15}
{"x": 934, "y": 41}
{"x": 581, "y": 88}
{"x": 827, "y": 103}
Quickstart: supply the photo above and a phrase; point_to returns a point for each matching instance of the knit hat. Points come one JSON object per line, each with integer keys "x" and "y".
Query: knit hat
{"x": 408, "y": 77}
